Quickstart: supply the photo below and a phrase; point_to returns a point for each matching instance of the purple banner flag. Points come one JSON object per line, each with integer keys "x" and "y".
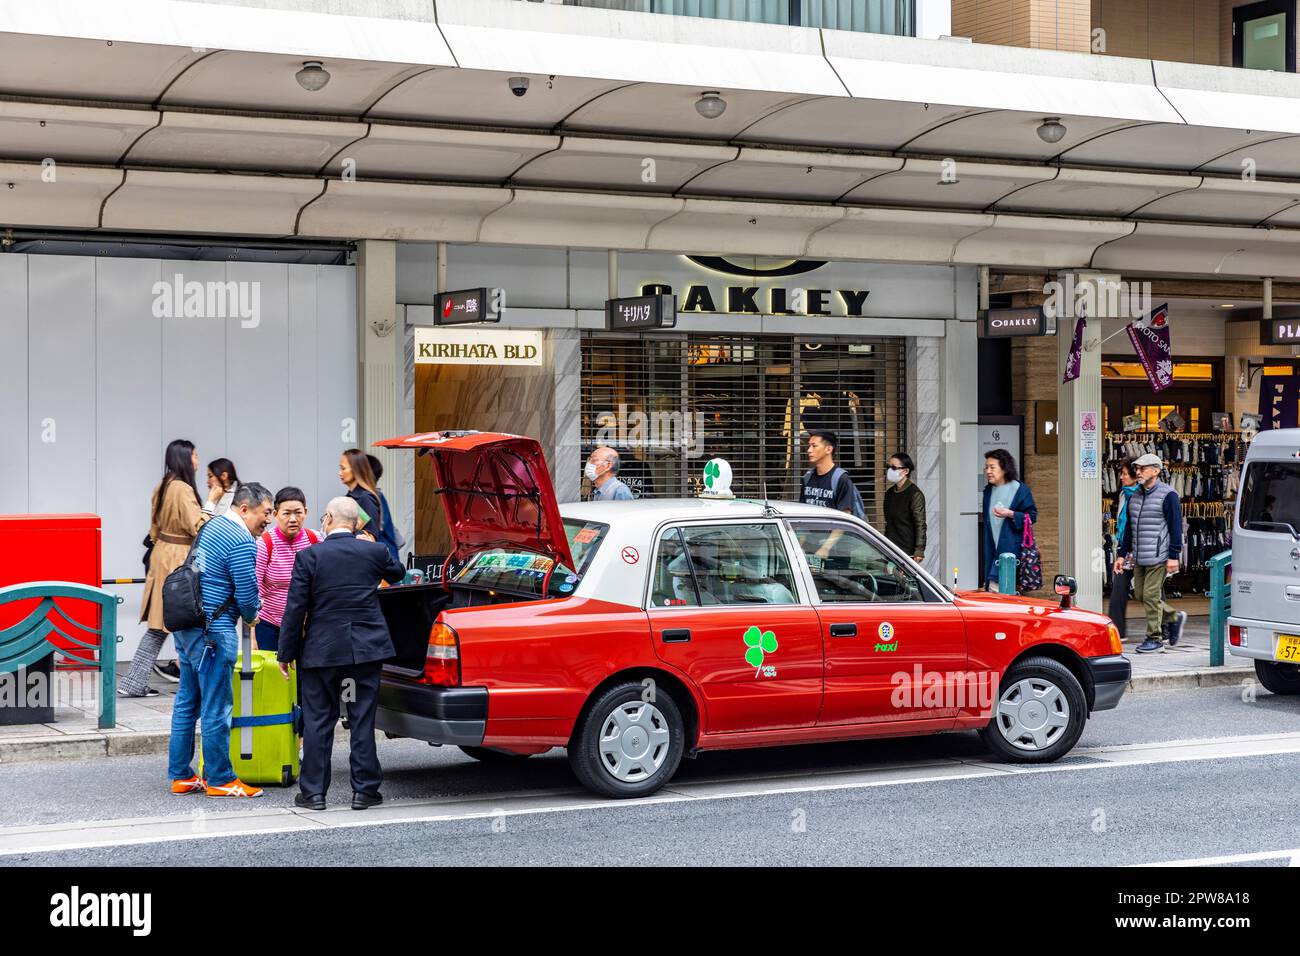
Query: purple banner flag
{"x": 1076, "y": 352}
{"x": 1150, "y": 338}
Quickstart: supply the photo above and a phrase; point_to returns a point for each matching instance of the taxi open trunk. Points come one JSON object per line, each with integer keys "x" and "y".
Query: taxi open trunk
{"x": 496, "y": 493}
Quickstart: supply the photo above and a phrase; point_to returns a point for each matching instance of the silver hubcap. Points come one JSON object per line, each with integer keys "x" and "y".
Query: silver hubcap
{"x": 1033, "y": 713}
{"x": 633, "y": 741}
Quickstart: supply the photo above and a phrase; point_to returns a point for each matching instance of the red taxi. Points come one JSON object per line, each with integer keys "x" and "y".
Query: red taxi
{"x": 636, "y": 633}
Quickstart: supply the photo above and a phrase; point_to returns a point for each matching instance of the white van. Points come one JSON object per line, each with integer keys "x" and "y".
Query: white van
{"x": 1265, "y": 619}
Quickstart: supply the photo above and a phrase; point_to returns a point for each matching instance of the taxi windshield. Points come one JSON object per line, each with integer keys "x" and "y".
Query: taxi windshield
{"x": 525, "y": 572}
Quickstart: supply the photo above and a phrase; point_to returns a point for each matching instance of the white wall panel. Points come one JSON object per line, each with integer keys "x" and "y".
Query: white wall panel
{"x": 304, "y": 464}
{"x": 193, "y": 373}
{"x": 87, "y": 350}
{"x": 336, "y": 366}
{"x": 13, "y": 385}
{"x": 257, "y": 363}
{"x": 61, "y": 356}
{"x": 128, "y": 411}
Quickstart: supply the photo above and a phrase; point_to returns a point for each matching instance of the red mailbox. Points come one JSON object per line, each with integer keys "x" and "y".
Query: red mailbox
{"x": 52, "y": 548}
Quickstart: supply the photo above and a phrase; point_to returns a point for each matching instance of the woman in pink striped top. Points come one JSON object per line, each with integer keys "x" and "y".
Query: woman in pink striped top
{"x": 275, "y": 553}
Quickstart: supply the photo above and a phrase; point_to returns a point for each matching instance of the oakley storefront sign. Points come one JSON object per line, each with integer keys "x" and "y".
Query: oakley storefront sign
{"x": 763, "y": 292}
{"x": 477, "y": 347}
{"x": 642, "y": 313}
{"x": 1013, "y": 323}
{"x": 468, "y": 306}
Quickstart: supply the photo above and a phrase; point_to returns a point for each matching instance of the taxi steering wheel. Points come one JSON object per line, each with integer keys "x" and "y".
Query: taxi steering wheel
{"x": 871, "y": 593}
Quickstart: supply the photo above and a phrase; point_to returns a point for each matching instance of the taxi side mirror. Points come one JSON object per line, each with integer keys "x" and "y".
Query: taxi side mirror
{"x": 1067, "y": 587}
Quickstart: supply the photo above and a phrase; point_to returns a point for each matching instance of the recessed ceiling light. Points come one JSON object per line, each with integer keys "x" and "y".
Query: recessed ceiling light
{"x": 1226, "y": 305}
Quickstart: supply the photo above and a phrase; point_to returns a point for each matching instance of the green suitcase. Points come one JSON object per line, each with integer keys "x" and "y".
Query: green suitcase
{"x": 266, "y": 722}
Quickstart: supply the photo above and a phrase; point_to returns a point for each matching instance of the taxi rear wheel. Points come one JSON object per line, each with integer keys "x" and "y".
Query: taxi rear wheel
{"x": 626, "y": 746}
{"x": 1277, "y": 677}
{"x": 1039, "y": 714}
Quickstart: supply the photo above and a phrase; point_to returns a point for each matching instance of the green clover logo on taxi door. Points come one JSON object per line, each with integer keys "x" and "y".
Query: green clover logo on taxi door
{"x": 758, "y": 643}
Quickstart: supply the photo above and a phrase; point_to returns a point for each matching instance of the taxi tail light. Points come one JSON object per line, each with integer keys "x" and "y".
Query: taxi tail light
{"x": 1237, "y": 636}
{"x": 442, "y": 659}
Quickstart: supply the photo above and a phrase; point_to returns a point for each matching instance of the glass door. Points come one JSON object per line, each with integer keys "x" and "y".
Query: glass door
{"x": 1264, "y": 36}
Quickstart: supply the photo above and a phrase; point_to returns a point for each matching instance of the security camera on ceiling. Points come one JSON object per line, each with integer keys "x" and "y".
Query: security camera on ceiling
{"x": 518, "y": 85}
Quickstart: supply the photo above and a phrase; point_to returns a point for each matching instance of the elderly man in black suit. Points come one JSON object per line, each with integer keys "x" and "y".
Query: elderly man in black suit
{"x": 335, "y": 632}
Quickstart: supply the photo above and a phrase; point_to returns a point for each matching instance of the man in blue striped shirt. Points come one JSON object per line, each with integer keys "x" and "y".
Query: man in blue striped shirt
{"x": 225, "y": 557}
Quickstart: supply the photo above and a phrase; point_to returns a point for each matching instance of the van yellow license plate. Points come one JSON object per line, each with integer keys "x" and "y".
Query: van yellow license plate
{"x": 1288, "y": 648}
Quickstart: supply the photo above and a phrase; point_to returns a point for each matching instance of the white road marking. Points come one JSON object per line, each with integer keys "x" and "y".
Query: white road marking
{"x": 209, "y": 825}
{"x": 1293, "y": 856}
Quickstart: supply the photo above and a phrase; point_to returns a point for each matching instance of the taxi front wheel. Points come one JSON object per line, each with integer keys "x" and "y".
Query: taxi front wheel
{"x": 1039, "y": 714}
{"x": 626, "y": 746}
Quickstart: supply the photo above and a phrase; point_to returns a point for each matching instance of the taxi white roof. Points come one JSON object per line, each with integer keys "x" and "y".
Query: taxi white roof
{"x": 650, "y": 512}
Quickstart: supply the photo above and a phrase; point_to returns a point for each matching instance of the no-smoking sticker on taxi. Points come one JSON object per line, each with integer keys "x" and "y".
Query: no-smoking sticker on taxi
{"x": 631, "y": 555}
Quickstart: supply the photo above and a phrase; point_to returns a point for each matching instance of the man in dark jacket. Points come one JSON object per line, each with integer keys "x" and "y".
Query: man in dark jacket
{"x": 905, "y": 508}
{"x": 334, "y": 630}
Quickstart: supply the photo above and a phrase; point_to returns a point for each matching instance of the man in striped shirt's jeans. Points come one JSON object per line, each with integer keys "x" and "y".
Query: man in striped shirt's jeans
{"x": 225, "y": 559}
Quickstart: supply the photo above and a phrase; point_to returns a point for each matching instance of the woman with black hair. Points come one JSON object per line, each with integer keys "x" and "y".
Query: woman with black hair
{"x": 1008, "y": 503}
{"x": 176, "y": 515}
{"x": 223, "y": 482}
{"x": 905, "y": 507}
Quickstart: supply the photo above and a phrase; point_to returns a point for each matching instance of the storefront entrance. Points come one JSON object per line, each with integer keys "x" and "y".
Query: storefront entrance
{"x": 669, "y": 403}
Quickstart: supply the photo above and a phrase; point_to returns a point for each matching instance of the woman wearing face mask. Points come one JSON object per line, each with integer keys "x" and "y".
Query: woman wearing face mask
{"x": 904, "y": 508}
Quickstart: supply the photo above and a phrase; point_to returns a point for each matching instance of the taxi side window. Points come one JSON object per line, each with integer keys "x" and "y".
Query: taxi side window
{"x": 739, "y": 564}
{"x": 674, "y": 580}
{"x": 847, "y": 567}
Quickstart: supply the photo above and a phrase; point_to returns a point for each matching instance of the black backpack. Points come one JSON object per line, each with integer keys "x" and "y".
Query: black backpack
{"x": 182, "y": 596}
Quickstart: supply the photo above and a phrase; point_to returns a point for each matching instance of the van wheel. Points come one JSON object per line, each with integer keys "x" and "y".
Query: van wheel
{"x": 1039, "y": 715}
{"x": 626, "y": 746}
{"x": 490, "y": 756}
{"x": 1278, "y": 677}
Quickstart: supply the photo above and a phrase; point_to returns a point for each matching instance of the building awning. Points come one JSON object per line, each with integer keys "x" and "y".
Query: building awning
{"x": 878, "y": 147}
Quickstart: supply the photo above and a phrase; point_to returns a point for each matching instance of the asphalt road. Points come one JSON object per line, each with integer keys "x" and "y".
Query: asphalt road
{"x": 935, "y": 800}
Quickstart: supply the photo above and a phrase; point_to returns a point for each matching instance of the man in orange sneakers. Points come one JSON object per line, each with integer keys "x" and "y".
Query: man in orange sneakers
{"x": 226, "y": 558}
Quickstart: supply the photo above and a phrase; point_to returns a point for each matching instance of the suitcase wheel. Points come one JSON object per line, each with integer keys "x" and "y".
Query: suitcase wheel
{"x": 286, "y": 777}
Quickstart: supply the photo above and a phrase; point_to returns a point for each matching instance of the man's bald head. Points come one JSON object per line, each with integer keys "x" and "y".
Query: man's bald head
{"x": 343, "y": 513}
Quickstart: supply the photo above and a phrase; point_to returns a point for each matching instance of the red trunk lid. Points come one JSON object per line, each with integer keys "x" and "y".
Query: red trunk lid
{"x": 496, "y": 491}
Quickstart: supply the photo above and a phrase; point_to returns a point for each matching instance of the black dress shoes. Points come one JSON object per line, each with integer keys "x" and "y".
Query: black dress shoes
{"x": 364, "y": 801}
{"x": 309, "y": 803}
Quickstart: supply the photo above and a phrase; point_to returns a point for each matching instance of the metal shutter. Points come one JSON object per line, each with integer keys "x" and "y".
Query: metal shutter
{"x": 755, "y": 398}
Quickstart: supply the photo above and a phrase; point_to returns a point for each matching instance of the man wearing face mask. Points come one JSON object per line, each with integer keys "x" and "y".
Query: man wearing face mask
{"x": 601, "y": 470}
{"x": 904, "y": 508}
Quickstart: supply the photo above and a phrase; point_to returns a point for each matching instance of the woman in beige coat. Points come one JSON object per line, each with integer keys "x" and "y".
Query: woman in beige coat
{"x": 176, "y": 516}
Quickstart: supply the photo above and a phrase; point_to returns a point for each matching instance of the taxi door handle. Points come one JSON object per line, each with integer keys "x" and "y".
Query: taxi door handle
{"x": 677, "y": 635}
{"x": 844, "y": 630}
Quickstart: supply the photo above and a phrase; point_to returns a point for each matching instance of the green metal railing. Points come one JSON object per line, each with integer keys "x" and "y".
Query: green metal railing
{"x": 1007, "y": 572}
{"x": 1220, "y": 603}
{"x": 28, "y": 641}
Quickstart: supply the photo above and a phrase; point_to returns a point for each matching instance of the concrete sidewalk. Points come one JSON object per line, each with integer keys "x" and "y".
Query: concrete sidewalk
{"x": 144, "y": 724}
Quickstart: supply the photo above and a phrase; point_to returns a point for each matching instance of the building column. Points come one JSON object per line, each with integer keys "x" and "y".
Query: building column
{"x": 960, "y": 465}
{"x": 1078, "y": 466}
{"x": 381, "y": 338}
